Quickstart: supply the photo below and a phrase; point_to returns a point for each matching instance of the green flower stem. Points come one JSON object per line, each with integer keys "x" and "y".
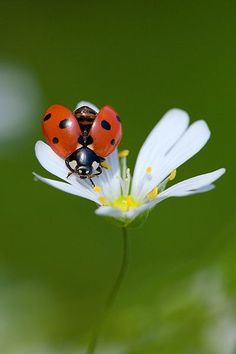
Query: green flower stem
{"x": 116, "y": 287}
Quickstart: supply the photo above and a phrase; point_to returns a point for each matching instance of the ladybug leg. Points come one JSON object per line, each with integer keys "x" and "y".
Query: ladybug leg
{"x": 68, "y": 164}
{"x": 93, "y": 185}
{"x": 98, "y": 172}
{"x": 69, "y": 174}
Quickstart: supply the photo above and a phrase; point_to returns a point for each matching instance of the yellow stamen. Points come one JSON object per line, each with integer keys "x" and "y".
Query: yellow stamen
{"x": 97, "y": 189}
{"x": 103, "y": 200}
{"x": 172, "y": 175}
{"x": 125, "y": 203}
{"x": 130, "y": 201}
{"x": 149, "y": 169}
{"x": 123, "y": 153}
{"x": 152, "y": 195}
{"x": 106, "y": 165}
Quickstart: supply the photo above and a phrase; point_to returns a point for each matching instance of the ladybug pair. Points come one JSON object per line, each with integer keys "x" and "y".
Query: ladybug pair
{"x": 84, "y": 138}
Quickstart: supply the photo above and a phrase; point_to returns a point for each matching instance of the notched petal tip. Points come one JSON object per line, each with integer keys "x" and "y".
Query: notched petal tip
{"x": 166, "y": 133}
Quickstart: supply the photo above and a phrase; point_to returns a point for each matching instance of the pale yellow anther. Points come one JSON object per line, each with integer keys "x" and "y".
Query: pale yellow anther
{"x": 123, "y": 153}
{"x": 152, "y": 195}
{"x": 172, "y": 175}
{"x": 103, "y": 200}
{"x": 106, "y": 165}
{"x": 149, "y": 169}
{"x": 97, "y": 189}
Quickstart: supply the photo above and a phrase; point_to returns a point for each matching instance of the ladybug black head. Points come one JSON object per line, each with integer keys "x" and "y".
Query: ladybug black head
{"x": 84, "y": 171}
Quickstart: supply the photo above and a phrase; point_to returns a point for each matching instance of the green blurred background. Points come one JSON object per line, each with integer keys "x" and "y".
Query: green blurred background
{"x": 143, "y": 58}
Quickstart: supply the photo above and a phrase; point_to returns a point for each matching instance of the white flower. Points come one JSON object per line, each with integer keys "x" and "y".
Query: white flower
{"x": 169, "y": 145}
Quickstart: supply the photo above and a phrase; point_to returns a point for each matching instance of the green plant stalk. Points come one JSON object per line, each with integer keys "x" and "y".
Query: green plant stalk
{"x": 114, "y": 292}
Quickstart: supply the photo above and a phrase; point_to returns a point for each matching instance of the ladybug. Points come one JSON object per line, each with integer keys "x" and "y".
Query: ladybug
{"x": 83, "y": 138}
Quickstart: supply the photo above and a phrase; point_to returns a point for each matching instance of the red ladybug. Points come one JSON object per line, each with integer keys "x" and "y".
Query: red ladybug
{"x": 83, "y": 138}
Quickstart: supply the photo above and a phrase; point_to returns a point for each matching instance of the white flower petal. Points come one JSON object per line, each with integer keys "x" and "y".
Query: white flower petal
{"x": 50, "y": 160}
{"x": 188, "y": 145}
{"x": 204, "y": 189}
{"x": 109, "y": 179}
{"x": 161, "y": 139}
{"x": 109, "y": 211}
{"x": 137, "y": 211}
{"x": 56, "y": 165}
{"x": 192, "y": 184}
{"x": 68, "y": 188}
{"x": 88, "y": 104}
{"x": 132, "y": 214}
{"x": 198, "y": 184}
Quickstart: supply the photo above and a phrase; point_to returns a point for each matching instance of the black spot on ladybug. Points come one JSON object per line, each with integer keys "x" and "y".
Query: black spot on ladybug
{"x": 113, "y": 141}
{"x": 118, "y": 118}
{"x": 55, "y": 140}
{"x": 65, "y": 123}
{"x": 105, "y": 125}
{"x": 48, "y": 116}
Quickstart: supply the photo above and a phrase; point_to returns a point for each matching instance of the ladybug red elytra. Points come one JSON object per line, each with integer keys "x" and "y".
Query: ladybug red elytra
{"x": 84, "y": 138}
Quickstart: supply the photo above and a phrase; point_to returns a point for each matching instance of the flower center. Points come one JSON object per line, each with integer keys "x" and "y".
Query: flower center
{"x": 125, "y": 203}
